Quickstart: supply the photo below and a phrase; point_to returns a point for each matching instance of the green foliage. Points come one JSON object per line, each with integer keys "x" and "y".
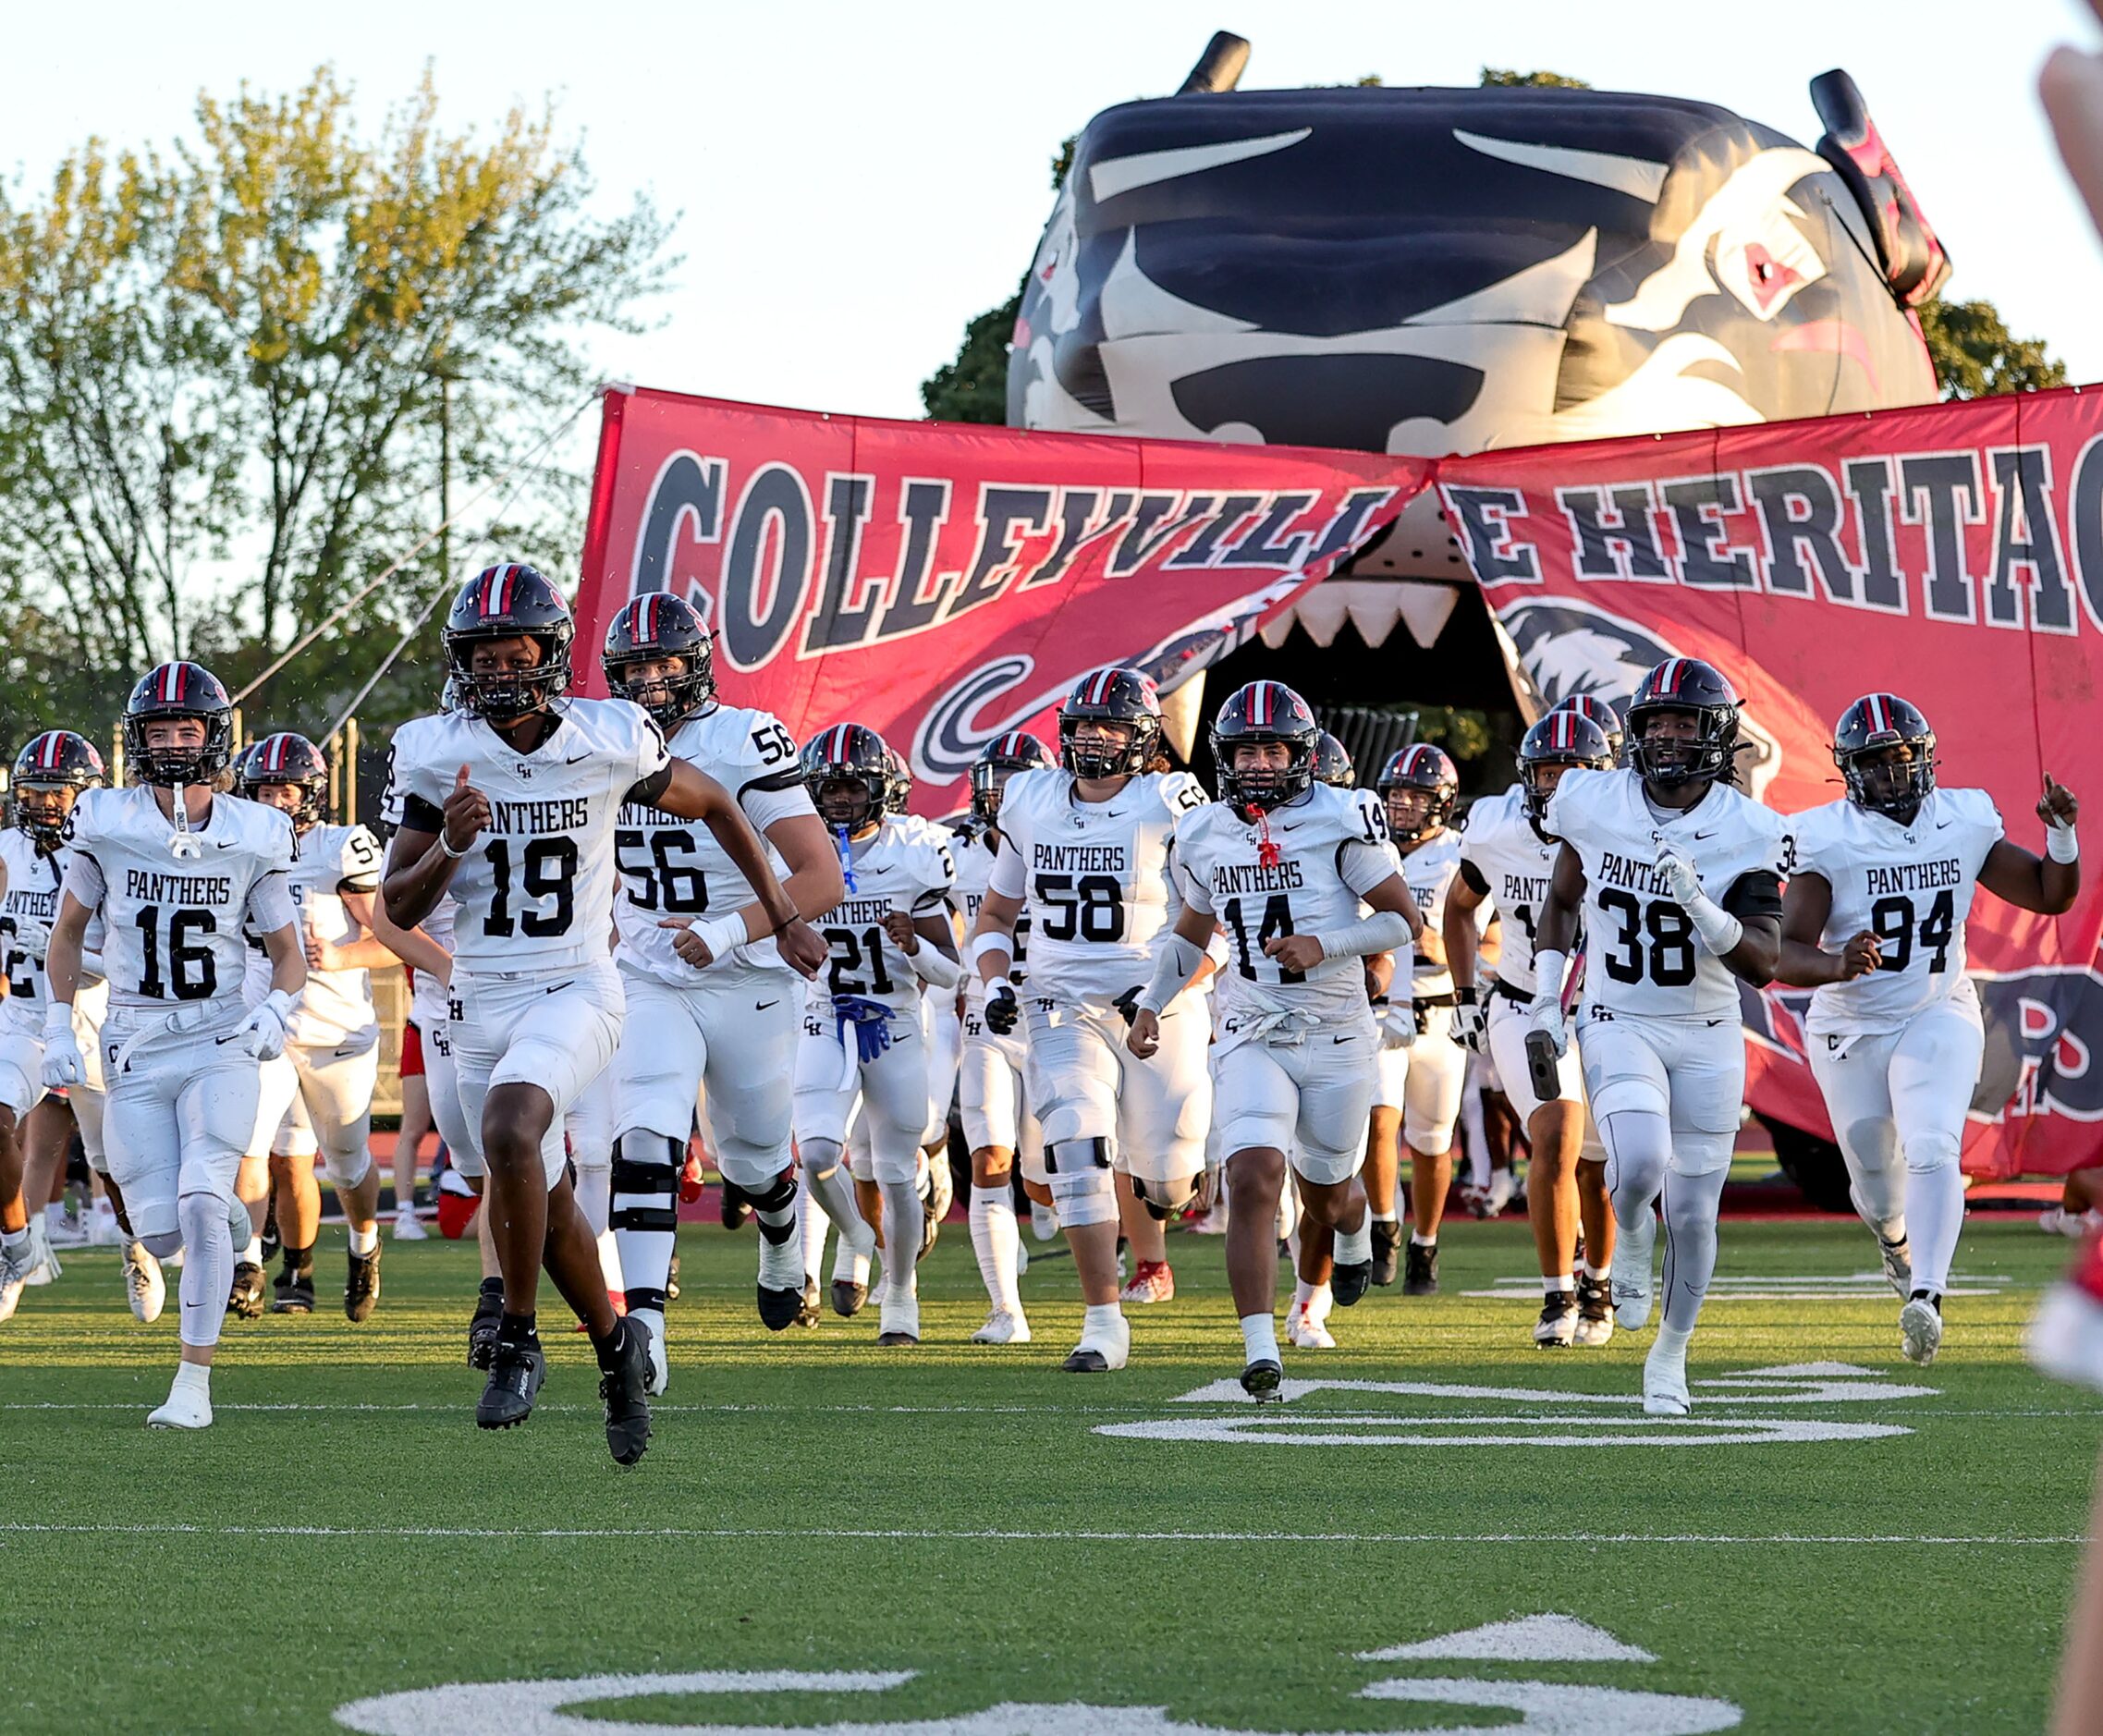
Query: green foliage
{"x": 974, "y": 387}
{"x": 1505, "y": 78}
{"x": 1975, "y": 356}
{"x": 222, "y": 367}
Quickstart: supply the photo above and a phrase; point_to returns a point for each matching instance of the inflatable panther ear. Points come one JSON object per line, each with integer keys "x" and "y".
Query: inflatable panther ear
{"x": 1915, "y": 263}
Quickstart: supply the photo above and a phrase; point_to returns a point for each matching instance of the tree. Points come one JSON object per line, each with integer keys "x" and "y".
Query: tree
{"x": 1975, "y": 357}
{"x": 227, "y": 374}
{"x": 1501, "y": 77}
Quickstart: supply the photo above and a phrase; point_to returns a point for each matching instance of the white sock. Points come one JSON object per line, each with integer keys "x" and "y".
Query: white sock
{"x": 251, "y": 1250}
{"x": 902, "y": 1221}
{"x": 1935, "y": 1202}
{"x": 1598, "y": 1274}
{"x": 1302, "y": 1290}
{"x": 1101, "y": 1319}
{"x": 1551, "y": 1286}
{"x": 1382, "y": 1217}
{"x": 207, "y": 1267}
{"x": 192, "y": 1378}
{"x": 362, "y": 1241}
{"x": 1319, "y": 1301}
{"x": 1423, "y": 1242}
{"x": 1354, "y": 1247}
{"x": 609, "y": 1263}
{"x": 1672, "y": 1344}
{"x": 997, "y": 1242}
{"x": 1259, "y": 1339}
{"x": 835, "y": 1194}
{"x": 812, "y": 1222}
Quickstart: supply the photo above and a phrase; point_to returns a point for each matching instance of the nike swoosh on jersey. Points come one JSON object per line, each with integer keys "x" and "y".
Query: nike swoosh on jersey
{"x": 763, "y": 1005}
{"x": 1710, "y": 832}
{"x": 558, "y": 987}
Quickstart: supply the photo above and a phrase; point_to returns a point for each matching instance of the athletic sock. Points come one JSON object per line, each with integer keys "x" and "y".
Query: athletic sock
{"x": 1319, "y": 1301}
{"x": 14, "y": 1240}
{"x": 518, "y": 1330}
{"x": 1936, "y": 1205}
{"x": 299, "y": 1262}
{"x": 997, "y": 1242}
{"x": 365, "y": 1242}
{"x": 193, "y": 1378}
{"x": 1417, "y": 1240}
{"x": 1384, "y": 1217}
{"x": 1302, "y": 1292}
{"x": 1259, "y": 1339}
{"x": 1100, "y": 1317}
{"x": 834, "y": 1193}
{"x": 1354, "y": 1247}
{"x": 251, "y": 1250}
{"x": 812, "y": 1222}
{"x": 1555, "y": 1286}
{"x": 1598, "y": 1274}
{"x": 1672, "y": 1342}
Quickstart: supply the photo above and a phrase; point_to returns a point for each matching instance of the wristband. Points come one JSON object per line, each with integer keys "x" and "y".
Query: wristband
{"x": 445, "y": 844}
{"x": 723, "y": 934}
{"x": 2061, "y": 844}
{"x": 1549, "y": 969}
{"x": 996, "y": 985}
{"x": 1719, "y": 930}
{"x": 930, "y": 964}
{"x": 1464, "y": 994}
{"x": 57, "y": 1017}
{"x": 983, "y": 944}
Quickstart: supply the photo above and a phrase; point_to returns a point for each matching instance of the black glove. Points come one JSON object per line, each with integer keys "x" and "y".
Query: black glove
{"x": 1127, "y": 1003}
{"x": 1002, "y": 1009}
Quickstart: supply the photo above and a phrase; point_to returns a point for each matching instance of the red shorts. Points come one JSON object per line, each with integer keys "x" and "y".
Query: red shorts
{"x": 411, "y": 1052}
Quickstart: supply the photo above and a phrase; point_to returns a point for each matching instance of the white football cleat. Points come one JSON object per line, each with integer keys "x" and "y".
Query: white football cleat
{"x": 44, "y": 1261}
{"x": 1002, "y": 1327}
{"x": 189, "y": 1406}
{"x": 64, "y": 1231}
{"x": 407, "y": 1228}
{"x": 1307, "y": 1332}
{"x": 1558, "y": 1325}
{"x": 144, "y": 1287}
{"x": 1920, "y": 1329}
{"x": 1665, "y": 1385}
{"x": 660, "y": 1367}
{"x": 1103, "y": 1350}
{"x": 14, "y": 1277}
{"x": 1631, "y": 1275}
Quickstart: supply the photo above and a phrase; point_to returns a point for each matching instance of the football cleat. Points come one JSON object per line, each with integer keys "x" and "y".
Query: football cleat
{"x": 1152, "y": 1281}
{"x": 295, "y": 1293}
{"x": 245, "y": 1299}
{"x": 1631, "y": 1302}
{"x": 653, "y": 1324}
{"x": 66, "y": 1231}
{"x": 1101, "y": 1353}
{"x": 1348, "y": 1284}
{"x": 1920, "y": 1328}
{"x": 898, "y": 1321}
{"x": 145, "y": 1287}
{"x": 1307, "y": 1332}
{"x": 734, "y": 1210}
{"x": 624, "y": 1387}
{"x": 781, "y": 1280}
{"x": 43, "y": 1258}
{"x": 1664, "y": 1384}
{"x": 15, "y": 1263}
{"x": 1263, "y": 1381}
{"x": 409, "y": 1228}
{"x": 271, "y": 1243}
{"x": 1420, "y": 1270}
{"x": 360, "y": 1285}
{"x": 1556, "y": 1327}
{"x": 186, "y": 1407}
{"x": 1632, "y": 1273}
{"x": 1386, "y": 1251}
{"x": 516, "y": 1371}
{"x": 1003, "y": 1328}
{"x": 849, "y": 1297}
{"x": 1595, "y": 1310}
{"x": 1898, "y": 1258}
{"x": 1043, "y": 1221}
{"x": 808, "y": 1316}
{"x": 672, "y": 1279}
{"x": 483, "y": 1329}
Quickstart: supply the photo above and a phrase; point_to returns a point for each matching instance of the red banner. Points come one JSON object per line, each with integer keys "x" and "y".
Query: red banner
{"x": 943, "y": 583}
{"x": 1951, "y": 553}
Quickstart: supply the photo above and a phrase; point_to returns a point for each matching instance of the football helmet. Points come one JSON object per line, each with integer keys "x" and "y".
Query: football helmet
{"x": 854, "y": 756}
{"x": 178, "y": 691}
{"x": 286, "y": 758}
{"x": 999, "y": 760}
{"x": 1874, "y": 723}
{"x": 55, "y": 761}
{"x": 1264, "y": 713}
{"x": 1123, "y": 696}
{"x": 1684, "y": 684}
{"x": 1567, "y": 736}
{"x": 1332, "y": 762}
{"x": 1610, "y": 720}
{"x": 509, "y": 601}
{"x": 1422, "y": 766}
{"x": 659, "y": 624}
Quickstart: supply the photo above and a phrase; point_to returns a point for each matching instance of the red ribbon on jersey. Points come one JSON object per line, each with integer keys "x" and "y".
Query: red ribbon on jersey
{"x": 945, "y": 584}
{"x": 1951, "y": 553}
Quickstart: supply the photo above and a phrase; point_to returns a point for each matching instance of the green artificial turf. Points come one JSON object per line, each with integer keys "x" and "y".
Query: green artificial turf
{"x": 811, "y": 1504}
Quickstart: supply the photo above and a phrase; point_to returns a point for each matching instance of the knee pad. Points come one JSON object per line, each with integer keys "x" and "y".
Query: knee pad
{"x": 163, "y": 1244}
{"x": 1163, "y": 1200}
{"x": 1936, "y": 1148}
{"x": 819, "y": 1157}
{"x": 341, "y": 1166}
{"x": 196, "y": 1212}
{"x": 645, "y": 1182}
{"x": 750, "y": 1170}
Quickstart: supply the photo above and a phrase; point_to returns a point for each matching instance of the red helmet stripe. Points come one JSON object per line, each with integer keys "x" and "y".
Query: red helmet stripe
{"x": 1880, "y": 713}
{"x": 54, "y": 745}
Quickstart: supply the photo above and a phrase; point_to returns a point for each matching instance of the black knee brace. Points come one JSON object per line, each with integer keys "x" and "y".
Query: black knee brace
{"x": 776, "y": 1199}
{"x": 635, "y": 1177}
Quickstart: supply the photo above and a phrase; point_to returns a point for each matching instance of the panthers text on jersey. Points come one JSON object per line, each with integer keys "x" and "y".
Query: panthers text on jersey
{"x": 1642, "y": 955}
{"x": 972, "y": 851}
{"x": 28, "y": 909}
{"x": 535, "y": 890}
{"x": 1911, "y": 886}
{"x": 901, "y": 868}
{"x": 1330, "y": 848}
{"x": 175, "y": 922}
{"x": 1509, "y": 864}
{"x": 1094, "y": 876}
{"x": 336, "y": 1007}
{"x": 671, "y": 867}
{"x": 1429, "y": 869}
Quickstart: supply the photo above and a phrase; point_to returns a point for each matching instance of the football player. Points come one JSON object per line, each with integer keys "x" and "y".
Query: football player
{"x": 511, "y": 803}
{"x": 50, "y": 773}
{"x": 333, "y": 1043}
{"x": 998, "y": 1122}
{"x": 177, "y": 870}
{"x": 731, "y": 1026}
{"x": 1085, "y": 851}
{"x": 1283, "y": 863}
{"x": 1598, "y": 711}
{"x": 1506, "y": 861}
{"x": 1676, "y": 876}
{"x": 864, "y": 1027}
{"x": 1874, "y": 921}
{"x": 1422, "y": 1071}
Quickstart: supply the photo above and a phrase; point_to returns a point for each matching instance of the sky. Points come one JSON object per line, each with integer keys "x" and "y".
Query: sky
{"x": 855, "y": 182}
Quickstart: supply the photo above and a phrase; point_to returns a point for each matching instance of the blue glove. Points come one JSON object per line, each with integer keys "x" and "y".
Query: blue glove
{"x": 872, "y": 1023}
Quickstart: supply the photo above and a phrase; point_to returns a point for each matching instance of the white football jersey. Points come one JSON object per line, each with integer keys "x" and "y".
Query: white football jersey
{"x": 1510, "y": 863}
{"x": 28, "y": 909}
{"x": 175, "y": 922}
{"x": 673, "y": 867}
{"x": 1331, "y": 847}
{"x": 900, "y": 868}
{"x": 328, "y": 861}
{"x": 427, "y": 1005}
{"x": 1429, "y": 869}
{"x": 1095, "y": 877}
{"x": 973, "y": 855}
{"x": 1911, "y": 885}
{"x": 1642, "y": 955}
{"x": 535, "y": 890}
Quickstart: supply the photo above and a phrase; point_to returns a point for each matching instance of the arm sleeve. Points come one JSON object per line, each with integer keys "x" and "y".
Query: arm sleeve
{"x": 1754, "y": 896}
{"x": 645, "y": 790}
{"x": 84, "y": 879}
{"x": 270, "y": 903}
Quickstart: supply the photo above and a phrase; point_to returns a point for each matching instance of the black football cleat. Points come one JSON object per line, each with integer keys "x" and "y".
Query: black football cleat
{"x": 734, "y": 1210}
{"x": 1420, "y": 1270}
{"x": 1086, "y": 1362}
{"x": 516, "y": 1371}
{"x": 361, "y": 1286}
{"x": 780, "y": 1309}
{"x": 1263, "y": 1379}
{"x": 624, "y": 1387}
{"x": 294, "y": 1293}
{"x": 1349, "y": 1284}
{"x": 849, "y": 1297}
{"x": 270, "y": 1242}
{"x": 245, "y": 1300}
{"x": 1387, "y": 1252}
{"x": 482, "y": 1330}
